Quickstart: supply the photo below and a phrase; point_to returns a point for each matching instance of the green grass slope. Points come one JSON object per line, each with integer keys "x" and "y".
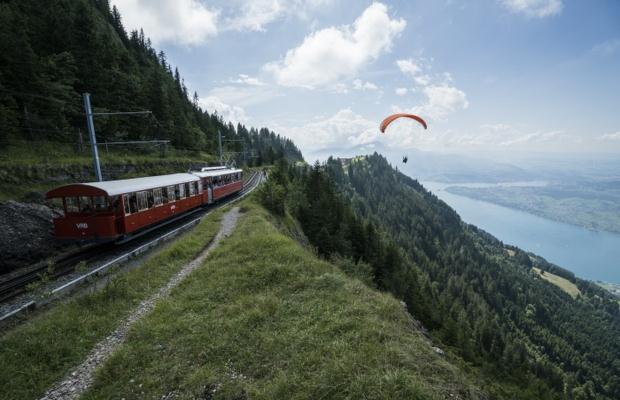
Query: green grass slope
{"x": 36, "y": 354}
{"x": 27, "y": 171}
{"x": 264, "y": 318}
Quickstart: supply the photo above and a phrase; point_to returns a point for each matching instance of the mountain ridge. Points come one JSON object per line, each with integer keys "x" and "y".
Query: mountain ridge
{"x": 478, "y": 299}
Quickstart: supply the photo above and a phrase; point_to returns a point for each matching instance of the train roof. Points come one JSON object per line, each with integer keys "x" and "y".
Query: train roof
{"x": 215, "y": 172}
{"x": 113, "y": 188}
{"x": 203, "y": 169}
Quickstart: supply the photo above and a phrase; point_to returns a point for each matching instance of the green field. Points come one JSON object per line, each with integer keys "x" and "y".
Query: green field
{"x": 560, "y": 282}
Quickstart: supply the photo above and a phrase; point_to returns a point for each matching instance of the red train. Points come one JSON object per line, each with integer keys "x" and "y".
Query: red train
{"x": 115, "y": 210}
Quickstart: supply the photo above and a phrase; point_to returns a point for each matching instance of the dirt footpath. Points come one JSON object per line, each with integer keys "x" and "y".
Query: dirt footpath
{"x": 79, "y": 380}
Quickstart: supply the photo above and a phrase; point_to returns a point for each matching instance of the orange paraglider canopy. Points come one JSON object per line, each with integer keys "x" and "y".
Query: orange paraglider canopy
{"x": 392, "y": 117}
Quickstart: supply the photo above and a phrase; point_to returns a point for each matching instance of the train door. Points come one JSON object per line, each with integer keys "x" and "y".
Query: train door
{"x": 210, "y": 193}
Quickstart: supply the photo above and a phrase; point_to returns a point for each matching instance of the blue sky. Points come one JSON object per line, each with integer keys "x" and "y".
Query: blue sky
{"x": 490, "y": 76}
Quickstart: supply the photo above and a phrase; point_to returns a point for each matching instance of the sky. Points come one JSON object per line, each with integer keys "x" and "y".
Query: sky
{"x": 496, "y": 77}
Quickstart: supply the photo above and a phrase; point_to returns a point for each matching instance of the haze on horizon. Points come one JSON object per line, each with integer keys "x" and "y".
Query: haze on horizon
{"x": 494, "y": 77}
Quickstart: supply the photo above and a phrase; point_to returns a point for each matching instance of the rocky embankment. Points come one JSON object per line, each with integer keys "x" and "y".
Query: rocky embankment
{"x": 25, "y": 234}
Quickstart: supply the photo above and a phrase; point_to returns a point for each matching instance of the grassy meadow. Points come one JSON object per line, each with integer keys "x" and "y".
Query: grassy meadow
{"x": 563, "y": 283}
{"x": 39, "y": 352}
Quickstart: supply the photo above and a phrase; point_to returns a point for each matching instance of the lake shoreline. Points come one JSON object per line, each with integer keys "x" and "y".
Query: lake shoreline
{"x": 591, "y": 255}
{"x": 533, "y": 211}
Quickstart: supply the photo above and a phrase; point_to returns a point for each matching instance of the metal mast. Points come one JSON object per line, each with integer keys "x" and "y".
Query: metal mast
{"x": 91, "y": 135}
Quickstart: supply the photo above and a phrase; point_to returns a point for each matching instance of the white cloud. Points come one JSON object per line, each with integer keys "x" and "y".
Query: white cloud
{"x": 442, "y": 100}
{"x": 187, "y": 22}
{"x": 408, "y": 67}
{"x": 213, "y": 104}
{"x": 441, "y": 97}
{"x": 254, "y": 15}
{"x": 358, "y": 84}
{"x": 534, "y": 138}
{"x": 534, "y": 8}
{"x": 611, "y": 136}
{"x": 401, "y": 91}
{"x": 346, "y": 130}
{"x": 422, "y": 80}
{"x": 340, "y": 87}
{"x": 502, "y": 136}
{"x": 343, "y": 129}
{"x": 244, "y": 79}
{"x": 607, "y": 48}
{"x": 246, "y": 95}
{"x": 333, "y": 53}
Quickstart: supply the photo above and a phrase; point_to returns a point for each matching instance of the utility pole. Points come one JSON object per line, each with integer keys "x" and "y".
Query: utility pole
{"x": 219, "y": 140}
{"x": 229, "y": 140}
{"x": 91, "y": 130}
{"x": 245, "y": 161}
{"x": 91, "y": 135}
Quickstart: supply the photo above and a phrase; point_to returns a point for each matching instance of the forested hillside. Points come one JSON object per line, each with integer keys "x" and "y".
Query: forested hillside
{"x": 479, "y": 298}
{"x": 51, "y": 52}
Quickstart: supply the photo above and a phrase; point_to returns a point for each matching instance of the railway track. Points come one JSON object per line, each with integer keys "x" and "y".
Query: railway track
{"x": 116, "y": 253}
{"x": 17, "y": 285}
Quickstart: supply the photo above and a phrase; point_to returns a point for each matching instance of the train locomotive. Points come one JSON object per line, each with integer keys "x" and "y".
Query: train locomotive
{"x": 117, "y": 210}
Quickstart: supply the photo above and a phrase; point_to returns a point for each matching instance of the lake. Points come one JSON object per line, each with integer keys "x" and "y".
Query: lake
{"x": 590, "y": 255}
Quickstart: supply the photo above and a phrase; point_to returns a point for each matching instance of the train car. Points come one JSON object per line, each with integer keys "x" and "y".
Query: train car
{"x": 113, "y": 210}
{"x": 219, "y": 182}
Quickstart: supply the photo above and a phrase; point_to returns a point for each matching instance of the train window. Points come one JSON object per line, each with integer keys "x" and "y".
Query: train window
{"x": 187, "y": 191}
{"x": 198, "y": 186}
{"x": 85, "y": 204}
{"x": 113, "y": 203}
{"x": 126, "y": 203}
{"x": 72, "y": 204}
{"x": 191, "y": 188}
{"x": 149, "y": 199}
{"x": 171, "y": 195}
{"x": 55, "y": 203}
{"x": 157, "y": 197}
{"x": 180, "y": 191}
{"x": 100, "y": 203}
{"x": 133, "y": 203}
{"x": 142, "y": 203}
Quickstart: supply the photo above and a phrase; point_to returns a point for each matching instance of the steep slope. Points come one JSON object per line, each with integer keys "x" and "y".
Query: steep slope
{"x": 484, "y": 302}
{"x": 264, "y": 318}
{"x": 51, "y": 53}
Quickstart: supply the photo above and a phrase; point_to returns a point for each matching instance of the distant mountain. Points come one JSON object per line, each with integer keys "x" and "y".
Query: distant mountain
{"x": 460, "y": 168}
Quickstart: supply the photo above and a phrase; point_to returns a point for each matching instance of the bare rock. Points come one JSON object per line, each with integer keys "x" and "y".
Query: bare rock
{"x": 25, "y": 234}
{"x": 439, "y": 351}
